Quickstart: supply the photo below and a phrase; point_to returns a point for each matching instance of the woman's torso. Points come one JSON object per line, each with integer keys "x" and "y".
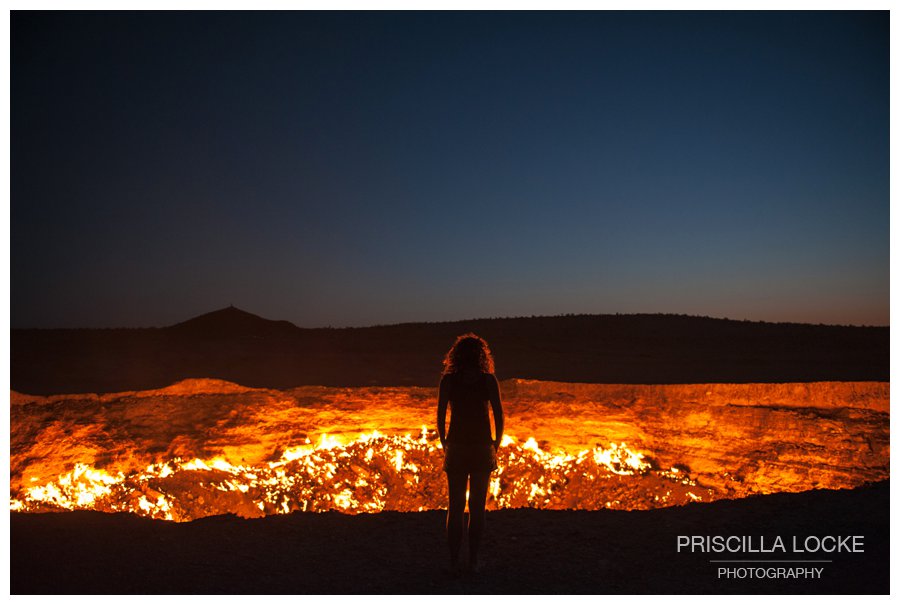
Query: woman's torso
{"x": 469, "y": 399}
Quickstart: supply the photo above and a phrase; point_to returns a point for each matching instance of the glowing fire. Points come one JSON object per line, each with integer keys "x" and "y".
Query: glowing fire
{"x": 371, "y": 473}
{"x": 206, "y": 447}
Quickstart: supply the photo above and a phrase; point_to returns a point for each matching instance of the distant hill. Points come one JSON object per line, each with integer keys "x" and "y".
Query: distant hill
{"x": 235, "y": 345}
{"x": 232, "y": 322}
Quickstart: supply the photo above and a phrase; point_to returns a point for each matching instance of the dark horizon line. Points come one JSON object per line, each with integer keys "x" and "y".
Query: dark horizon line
{"x": 456, "y": 321}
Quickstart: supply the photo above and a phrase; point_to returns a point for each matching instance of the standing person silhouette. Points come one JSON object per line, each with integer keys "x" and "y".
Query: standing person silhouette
{"x": 468, "y": 385}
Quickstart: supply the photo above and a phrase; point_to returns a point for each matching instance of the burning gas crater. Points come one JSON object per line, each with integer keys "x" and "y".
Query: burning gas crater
{"x": 207, "y": 447}
{"x": 372, "y": 473}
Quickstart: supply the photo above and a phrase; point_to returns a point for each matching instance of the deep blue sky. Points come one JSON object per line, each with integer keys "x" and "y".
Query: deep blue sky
{"x": 350, "y": 169}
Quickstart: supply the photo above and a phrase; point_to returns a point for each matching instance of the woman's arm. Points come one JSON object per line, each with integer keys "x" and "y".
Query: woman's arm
{"x": 443, "y": 398}
{"x": 497, "y": 408}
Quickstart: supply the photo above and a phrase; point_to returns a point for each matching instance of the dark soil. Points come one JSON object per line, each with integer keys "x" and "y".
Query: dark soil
{"x": 233, "y": 345}
{"x": 525, "y": 551}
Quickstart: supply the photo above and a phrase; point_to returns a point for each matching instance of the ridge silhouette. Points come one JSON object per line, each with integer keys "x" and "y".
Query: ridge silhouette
{"x": 238, "y": 346}
{"x": 232, "y": 321}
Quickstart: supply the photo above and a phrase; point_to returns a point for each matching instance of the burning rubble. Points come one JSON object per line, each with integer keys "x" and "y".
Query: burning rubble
{"x": 204, "y": 448}
{"x": 372, "y": 473}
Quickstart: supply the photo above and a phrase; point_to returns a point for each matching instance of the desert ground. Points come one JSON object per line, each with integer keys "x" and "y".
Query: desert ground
{"x": 524, "y": 552}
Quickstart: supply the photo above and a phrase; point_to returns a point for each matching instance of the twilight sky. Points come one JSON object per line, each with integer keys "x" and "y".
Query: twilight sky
{"x": 351, "y": 169}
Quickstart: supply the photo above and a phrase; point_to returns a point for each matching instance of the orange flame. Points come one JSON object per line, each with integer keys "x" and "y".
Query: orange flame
{"x": 371, "y": 473}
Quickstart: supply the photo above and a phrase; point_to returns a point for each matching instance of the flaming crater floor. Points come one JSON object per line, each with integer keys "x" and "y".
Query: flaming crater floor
{"x": 682, "y": 443}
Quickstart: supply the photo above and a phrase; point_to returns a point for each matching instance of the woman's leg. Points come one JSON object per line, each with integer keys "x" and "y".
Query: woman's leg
{"x": 478, "y": 487}
{"x": 456, "y": 486}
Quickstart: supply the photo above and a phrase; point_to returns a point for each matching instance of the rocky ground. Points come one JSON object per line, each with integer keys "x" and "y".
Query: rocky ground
{"x": 525, "y": 551}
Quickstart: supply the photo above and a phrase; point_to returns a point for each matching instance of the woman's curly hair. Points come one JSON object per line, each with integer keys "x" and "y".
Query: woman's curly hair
{"x": 469, "y": 351}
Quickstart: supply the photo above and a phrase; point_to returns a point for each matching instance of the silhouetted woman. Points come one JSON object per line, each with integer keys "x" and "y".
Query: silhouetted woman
{"x": 468, "y": 385}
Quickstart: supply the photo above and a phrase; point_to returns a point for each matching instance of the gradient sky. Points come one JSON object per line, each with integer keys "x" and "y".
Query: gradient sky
{"x": 351, "y": 169}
